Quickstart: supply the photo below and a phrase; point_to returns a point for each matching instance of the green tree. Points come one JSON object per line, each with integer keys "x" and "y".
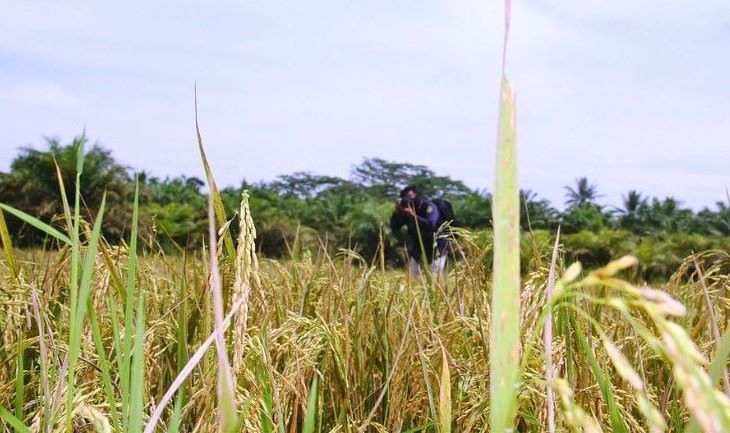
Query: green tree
{"x": 32, "y": 186}
{"x": 716, "y": 223}
{"x": 385, "y": 179}
{"x": 536, "y": 213}
{"x": 473, "y": 210}
{"x": 588, "y": 216}
{"x": 667, "y": 216}
{"x": 177, "y": 210}
{"x": 304, "y": 185}
{"x": 583, "y": 193}
{"x": 632, "y": 210}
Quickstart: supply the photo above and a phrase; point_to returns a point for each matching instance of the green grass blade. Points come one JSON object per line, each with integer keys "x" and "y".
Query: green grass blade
{"x": 80, "y": 154}
{"x": 116, "y": 330}
{"x": 182, "y": 354}
{"x": 220, "y": 211}
{"x": 13, "y": 421}
{"x": 311, "y": 414}
{"x": 429, "y": 392}
{"x": 136, "y": 386}
{"x": 74, "y": 281}
{"x": 64, "y": 199}
{"x": 717, "y": 366}
{"x": 104, "y": 366}
{"x": 129, "y": 303}
{"x": 35, "y": 222}
{"x": 20, "y": 376}
{"x": 87, "y": 272}
{"x": 8, "y": 246}
{"x": 505, "y": 333}
{"x": 267, "y": 401}
{"x": 176, "y": 416}
{"x": 78, "y": 314}
{"x": 618, "y": 425}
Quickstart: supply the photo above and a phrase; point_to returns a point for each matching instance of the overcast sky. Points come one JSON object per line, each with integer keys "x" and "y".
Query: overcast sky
{"x": 631, "y": 93}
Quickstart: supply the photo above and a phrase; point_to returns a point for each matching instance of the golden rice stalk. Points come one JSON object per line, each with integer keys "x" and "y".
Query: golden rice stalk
{"x": 99, "y": 422}
{"x": 445, "y": 395}
{"x": 246, "y": 270}
{"x": 574, "y": 415}
{"x": 548, "y": 334}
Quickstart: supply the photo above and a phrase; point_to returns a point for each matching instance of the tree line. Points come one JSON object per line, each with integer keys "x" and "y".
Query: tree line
{"x": 306, "y": 208}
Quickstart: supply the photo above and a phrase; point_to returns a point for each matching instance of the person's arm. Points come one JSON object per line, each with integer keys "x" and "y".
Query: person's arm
{"x": 431, "y": 219}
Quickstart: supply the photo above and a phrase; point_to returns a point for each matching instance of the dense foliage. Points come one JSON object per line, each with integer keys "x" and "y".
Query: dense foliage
{"x": 306, "y": 209}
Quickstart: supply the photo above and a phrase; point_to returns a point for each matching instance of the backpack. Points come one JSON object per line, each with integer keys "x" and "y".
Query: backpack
{"x": 446, "y": 211}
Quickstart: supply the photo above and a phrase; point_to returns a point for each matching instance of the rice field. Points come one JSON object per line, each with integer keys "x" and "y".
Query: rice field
{"x": 125, "y": 338}
{"x": 331, "y": 343}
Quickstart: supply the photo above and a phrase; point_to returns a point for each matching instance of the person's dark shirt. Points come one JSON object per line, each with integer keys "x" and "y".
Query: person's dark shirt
{"x": 427, "y": 215}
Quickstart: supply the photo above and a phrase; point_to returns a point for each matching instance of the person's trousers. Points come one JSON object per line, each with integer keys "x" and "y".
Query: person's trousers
{"x": 438, "y": 267}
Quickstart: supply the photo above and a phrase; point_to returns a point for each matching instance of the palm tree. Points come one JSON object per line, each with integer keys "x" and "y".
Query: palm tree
{"x": 633, "y": 205}
{"x": 536, "y": 213}
{"x": 668, "y": 216}
{"x": 632, "y": 202}
{"x": 584, "y": 193}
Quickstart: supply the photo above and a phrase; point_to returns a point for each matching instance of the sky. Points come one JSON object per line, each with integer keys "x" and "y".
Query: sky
{"x": 633, "y": 94}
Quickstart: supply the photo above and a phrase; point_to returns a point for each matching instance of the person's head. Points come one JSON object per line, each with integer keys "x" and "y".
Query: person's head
{"x": 410, "y": 196}
{"x": 409, "y": 193}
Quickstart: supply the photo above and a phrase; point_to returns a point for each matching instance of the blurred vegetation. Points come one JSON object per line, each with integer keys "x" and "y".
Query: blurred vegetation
{"x": 307, "y": 210}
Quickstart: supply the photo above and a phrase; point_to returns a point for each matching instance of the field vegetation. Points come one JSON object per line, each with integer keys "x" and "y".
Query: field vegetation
{"x": 330, "y": 341}
{"x": 109, "y": 327}
{"x": 352, "y": 213}
{"x": 144, "y": 305}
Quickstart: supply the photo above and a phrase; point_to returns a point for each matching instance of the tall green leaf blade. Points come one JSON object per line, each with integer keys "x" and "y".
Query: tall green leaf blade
{"x": 13, "y": 421}
{"x": 618, "y": 425}
{"x": 137, "y": 373}
{"x": 87, "y": 272}
{"x": 220, "y": 211}
{"x": 64, "y": 199}
{"x": 104, "y": 365}
{"x": 505, "y": 333}
{"x": 311, "y": 415}
{"x": 74, "y": 282}
{"x": 267, "y": 401}
{"x": 78, "y": 315}
{"x": 8, "y": 246}
{"x": 35, "y": 222}
{"x": 129, "y": 303}
{"x": 20, "y": 376}
{"x": 182, "y": 354}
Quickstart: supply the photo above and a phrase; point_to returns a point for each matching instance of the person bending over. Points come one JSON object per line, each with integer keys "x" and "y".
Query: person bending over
{"x": 422, "y": 218}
